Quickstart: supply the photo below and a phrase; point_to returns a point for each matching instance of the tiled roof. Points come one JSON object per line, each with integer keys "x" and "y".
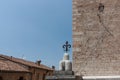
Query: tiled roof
{"x": 6, "y": 65}
{"x": 18, "y": 61}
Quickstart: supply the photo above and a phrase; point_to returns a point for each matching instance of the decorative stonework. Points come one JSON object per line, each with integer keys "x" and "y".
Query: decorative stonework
{"x": 96, "y": 37}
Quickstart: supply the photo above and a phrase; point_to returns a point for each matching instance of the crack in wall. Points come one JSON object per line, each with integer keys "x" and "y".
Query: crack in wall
{"x": 101, "y": 21}
{"x": 99, "y": 38}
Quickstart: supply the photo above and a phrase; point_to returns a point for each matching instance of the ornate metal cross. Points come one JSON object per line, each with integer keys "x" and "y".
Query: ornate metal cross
{"x": 66, "y": 46}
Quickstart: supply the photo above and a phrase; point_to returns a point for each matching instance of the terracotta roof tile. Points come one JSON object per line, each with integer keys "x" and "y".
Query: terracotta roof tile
{"x": 6, "y": 65}
{"x": 25, "y": 62}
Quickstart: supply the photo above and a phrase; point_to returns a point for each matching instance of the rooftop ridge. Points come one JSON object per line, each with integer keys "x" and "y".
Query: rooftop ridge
{"x": 25, "y": 62}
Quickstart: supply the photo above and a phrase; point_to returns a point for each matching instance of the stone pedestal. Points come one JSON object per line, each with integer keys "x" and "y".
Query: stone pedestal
{"x": 62, "y": 75}
{"x": 65, "y": 70}
{"x": 65, "y": 64}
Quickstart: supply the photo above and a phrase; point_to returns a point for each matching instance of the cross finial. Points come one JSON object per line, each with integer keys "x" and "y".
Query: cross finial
{"x": 66, "y": 46}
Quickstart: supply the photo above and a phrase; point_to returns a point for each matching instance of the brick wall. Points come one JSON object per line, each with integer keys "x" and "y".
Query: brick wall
{"x": 14, "y": 76}
{"x": 35, "y": 74}
{"x": 96, "y": 37}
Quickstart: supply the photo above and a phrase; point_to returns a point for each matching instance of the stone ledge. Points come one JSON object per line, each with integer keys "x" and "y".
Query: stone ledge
{"x": 101, "y": 77}
{"x": 64, "y": 77}
{"x": 60, "y": 77}
{"x": 63, "y": 73}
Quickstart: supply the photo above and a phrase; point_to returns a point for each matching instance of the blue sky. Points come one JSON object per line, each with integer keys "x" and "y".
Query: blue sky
{"x": 36, "y": 29}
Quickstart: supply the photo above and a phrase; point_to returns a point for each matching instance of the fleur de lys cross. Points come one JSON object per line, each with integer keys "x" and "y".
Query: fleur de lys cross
{"x": 66, "y": 46}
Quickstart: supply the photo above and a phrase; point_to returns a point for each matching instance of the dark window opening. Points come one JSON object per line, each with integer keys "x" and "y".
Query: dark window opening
{"x": 101, "y": 7}
{"x": 43, "y": 77}
{"x": 1, "y": 78}
{"x": 21, "y": 78}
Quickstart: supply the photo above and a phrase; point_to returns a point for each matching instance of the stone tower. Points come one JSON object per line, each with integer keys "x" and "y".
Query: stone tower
{"x": 96, "y": 37}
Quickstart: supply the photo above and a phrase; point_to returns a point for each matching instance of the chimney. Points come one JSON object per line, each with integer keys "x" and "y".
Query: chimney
{"x": 11, "y": 57}
{"x": 38, "y": 62}
{"x": 53, "y": 67}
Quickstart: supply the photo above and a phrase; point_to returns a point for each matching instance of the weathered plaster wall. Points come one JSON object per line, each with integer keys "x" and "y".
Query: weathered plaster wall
{"x": 96, "y": 37}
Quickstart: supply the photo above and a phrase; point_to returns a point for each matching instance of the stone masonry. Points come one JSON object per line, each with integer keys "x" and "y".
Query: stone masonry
{"x": 96, "y": 37}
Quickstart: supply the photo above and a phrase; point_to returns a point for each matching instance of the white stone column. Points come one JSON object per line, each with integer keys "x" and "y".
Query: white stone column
{"x": 68, "y": 65}
{"x": 66, "y": 56}
{"x": 65, "y": 64}
{"x": 62, "y": 65}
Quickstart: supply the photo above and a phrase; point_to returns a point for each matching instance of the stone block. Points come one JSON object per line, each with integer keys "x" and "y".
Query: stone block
{"x": 96, "y": 38}
{"x": 63, "y": 73}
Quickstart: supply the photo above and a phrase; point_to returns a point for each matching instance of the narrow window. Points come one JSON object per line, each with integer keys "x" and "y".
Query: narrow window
{"x": 21, "y": 78}
{"x": 43, "y": 77}
{"x": 1, "y": 78}
{"x": 101, "y": 7}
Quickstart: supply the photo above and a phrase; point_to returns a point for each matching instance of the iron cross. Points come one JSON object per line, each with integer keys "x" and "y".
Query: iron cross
{"x": 66, "y": 46}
